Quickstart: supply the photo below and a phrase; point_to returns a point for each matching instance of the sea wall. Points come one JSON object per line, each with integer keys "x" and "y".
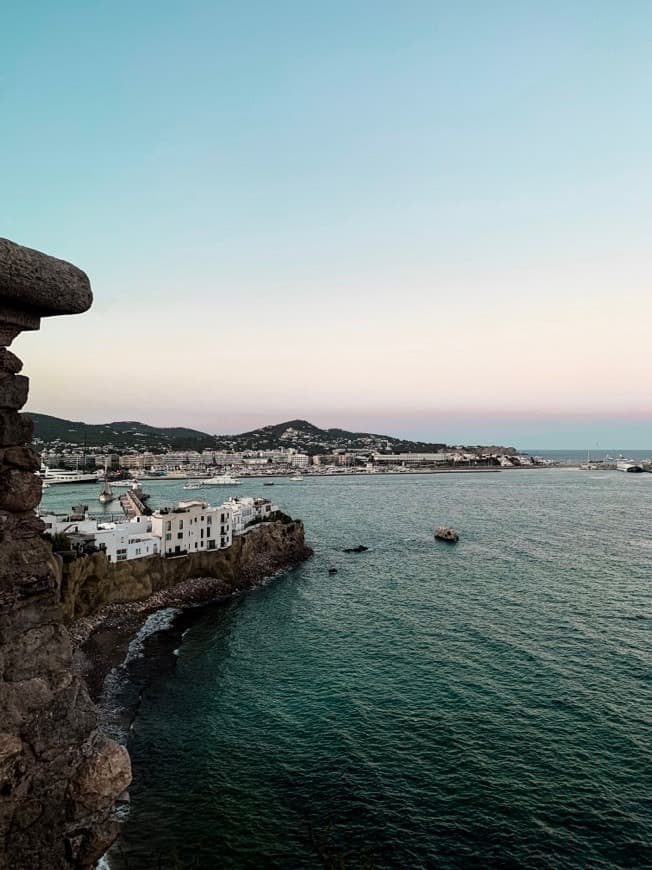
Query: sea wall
{"x": 59, "y": 775}
{"x": 91, "y": 582}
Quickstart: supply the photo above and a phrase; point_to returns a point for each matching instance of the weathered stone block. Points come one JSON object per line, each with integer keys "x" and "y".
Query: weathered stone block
{"x": 13, "y": 391}
{"x": 19, "y": 490}
{"x": 22, "y": 526}
{"x": 39, "y": 284}
{"x": 15, "y": 429}
{"x": 10, "y": 746}
{"x": 21, "y": 457}
{"x": 9, "y": 362}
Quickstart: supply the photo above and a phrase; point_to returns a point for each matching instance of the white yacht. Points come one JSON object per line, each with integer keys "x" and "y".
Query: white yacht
{"x": 221, "y": 480}
{"x": 296, "y": 477}
{"x": 53, "y": 476}
{"x": 193, "y": 484}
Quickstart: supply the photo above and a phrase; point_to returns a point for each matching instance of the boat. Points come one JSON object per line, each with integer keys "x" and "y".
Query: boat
{"x": 589, "y": 465}
{"x": 193, "y": 484}
{"x": 56, "y": 476}
{"x": 629, "y": 465}
{"x": 125, "y": 484}
{"x": 221, "y": 480}
{"x": 106, "y": 496}
{"x": 268, "y": 483}
{"x": 296, "y": 477}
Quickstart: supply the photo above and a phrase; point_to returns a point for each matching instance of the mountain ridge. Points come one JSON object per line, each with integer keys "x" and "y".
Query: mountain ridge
{"x": 298, "y": 434}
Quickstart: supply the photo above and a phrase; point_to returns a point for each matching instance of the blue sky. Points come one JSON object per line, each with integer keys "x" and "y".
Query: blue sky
{"x": 426, "y": 218}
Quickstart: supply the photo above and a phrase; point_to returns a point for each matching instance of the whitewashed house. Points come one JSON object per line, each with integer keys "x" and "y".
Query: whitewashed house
{"x": 124, "y": 542}
{"x": 246, "y": 510}
{"x": 193, "y": 527}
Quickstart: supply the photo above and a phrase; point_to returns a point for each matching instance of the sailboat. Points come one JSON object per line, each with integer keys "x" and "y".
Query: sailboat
{"x": 589, "y": 466}
{"x": 106, "y": 495}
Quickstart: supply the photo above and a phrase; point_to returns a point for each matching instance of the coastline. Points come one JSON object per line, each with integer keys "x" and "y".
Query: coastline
{"x": 101, "y": 641}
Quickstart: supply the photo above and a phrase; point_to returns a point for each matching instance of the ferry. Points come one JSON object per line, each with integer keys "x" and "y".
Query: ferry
{"x": 623, "y": 464}
{"x": 221, "y": 480}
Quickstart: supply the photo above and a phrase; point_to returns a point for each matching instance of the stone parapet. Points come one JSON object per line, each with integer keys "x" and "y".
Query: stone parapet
{"x": 58, "y": 775}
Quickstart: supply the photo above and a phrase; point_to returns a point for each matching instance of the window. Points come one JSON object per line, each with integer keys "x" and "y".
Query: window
{"x": 138, "y": 551}
{"x": 168, "y": 526}
{"x": 168, "y": 536}
{"x": 179, "y": 536}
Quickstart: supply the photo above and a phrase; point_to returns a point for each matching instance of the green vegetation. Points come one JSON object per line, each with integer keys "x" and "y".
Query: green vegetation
{"x": 274, "y": 517}
{"x": 60, "y": 542}
{"x": 120, "y": 436}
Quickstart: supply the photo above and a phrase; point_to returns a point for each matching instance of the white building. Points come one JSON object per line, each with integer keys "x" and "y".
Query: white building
{"x": 246, "y": 510}
{"x": 131, "y": 539}
{"x": 412, "y": 459}
{"x": 193, "y": 527}
{"x": 125, "y": 542}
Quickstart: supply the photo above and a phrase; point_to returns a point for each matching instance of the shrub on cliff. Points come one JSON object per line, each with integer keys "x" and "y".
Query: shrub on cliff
{"x": 59, "y": 541}
{"x": 275, "y": 517}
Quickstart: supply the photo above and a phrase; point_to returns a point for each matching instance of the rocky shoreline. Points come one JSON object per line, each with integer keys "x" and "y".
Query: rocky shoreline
{"x": 101, "y": 641}
{"x": 107, "y": 604}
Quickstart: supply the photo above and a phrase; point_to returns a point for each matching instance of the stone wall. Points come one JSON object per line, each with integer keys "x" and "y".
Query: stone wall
{"x": 59, "y": 776}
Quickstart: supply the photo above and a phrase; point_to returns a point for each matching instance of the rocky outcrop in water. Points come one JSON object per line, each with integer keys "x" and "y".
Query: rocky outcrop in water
{"x": 59, "y": 776}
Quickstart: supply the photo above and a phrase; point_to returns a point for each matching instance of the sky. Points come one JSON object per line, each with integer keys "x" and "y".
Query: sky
{"x": 428, "y": 219}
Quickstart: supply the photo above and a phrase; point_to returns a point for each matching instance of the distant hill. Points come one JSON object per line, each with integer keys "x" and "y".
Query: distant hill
{"x": 120, "y": 435}
{"x": 308, "y": 438}
{"x": 297, "y": 434}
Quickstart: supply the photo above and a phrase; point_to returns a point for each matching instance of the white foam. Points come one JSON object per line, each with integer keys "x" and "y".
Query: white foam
{"x": 157, "y": 621}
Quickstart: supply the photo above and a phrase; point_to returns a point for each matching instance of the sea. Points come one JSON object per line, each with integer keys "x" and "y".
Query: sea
{"x": 480, "y": 705}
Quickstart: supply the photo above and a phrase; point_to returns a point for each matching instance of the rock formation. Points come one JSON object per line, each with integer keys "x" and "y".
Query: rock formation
{"x": 444, "y": 533}
{"x": 59, "y": 775}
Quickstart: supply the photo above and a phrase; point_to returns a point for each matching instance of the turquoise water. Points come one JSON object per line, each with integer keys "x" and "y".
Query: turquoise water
{"x": 480, "y": 705}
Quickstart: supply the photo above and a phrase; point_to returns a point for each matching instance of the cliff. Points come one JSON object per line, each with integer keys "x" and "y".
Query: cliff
{"x": 59, "y": 776}
{"x": 91, "y": 582}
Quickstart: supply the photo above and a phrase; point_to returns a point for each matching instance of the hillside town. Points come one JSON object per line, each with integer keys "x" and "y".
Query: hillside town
{"x": 271, "y": 450}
